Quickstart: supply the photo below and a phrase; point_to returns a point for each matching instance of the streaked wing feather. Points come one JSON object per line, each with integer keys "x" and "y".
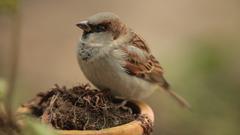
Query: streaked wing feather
{"x": 140, "y": 62}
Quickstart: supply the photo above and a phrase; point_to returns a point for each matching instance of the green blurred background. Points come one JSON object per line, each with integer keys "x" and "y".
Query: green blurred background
{"x": 197, "y": 42}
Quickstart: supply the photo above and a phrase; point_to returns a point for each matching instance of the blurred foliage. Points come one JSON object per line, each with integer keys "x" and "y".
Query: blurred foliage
{"x": 2, "y": 93}
{"x": 212, "y": 88}
{"x": 8, "y": 5}
{"x": 2, "y": 88}
{"x": 31, "y": 126}
{"x": 34, "y": 127}
{"x": 211, "y": 68}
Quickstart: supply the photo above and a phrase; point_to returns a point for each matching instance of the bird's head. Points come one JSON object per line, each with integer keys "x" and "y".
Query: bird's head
{"x": 104, "y": 26}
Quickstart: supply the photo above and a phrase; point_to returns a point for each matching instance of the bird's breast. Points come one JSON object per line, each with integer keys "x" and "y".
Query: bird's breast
{"x": 101, "y": 71}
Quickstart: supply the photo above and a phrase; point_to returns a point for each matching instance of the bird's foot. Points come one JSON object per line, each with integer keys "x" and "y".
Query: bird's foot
{"x": 123, "y": 105}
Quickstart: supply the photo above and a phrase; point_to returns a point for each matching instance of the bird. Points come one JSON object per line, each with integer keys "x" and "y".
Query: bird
{"x": 112, "y": 56}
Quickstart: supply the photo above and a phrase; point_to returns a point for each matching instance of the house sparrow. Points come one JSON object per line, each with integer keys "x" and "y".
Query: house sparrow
{"x": 112, "y": 56}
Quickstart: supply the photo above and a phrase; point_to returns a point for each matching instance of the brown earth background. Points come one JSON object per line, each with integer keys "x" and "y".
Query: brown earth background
{"x": 197, "y": 43}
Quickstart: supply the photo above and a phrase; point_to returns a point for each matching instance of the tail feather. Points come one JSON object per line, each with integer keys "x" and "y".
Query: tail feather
{"x": 165, "y": 85}
{"x": 179, "y": 99}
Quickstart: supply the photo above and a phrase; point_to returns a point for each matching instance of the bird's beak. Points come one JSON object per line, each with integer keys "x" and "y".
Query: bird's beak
{"x": 84, "y": 26}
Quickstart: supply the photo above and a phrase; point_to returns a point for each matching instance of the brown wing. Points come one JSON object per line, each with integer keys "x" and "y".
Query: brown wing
{"x": 141, "y": 63}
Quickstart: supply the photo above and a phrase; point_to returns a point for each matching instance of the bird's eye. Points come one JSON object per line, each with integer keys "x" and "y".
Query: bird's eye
{"x": 100, "y": 28}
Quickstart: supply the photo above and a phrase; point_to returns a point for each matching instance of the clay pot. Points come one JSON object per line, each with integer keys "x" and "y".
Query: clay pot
{"x": 132, "y": 128}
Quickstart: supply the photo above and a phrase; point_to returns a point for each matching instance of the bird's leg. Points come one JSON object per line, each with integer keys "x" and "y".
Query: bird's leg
{"x": 123, "y": 101}
{"x": 123, "y": 105}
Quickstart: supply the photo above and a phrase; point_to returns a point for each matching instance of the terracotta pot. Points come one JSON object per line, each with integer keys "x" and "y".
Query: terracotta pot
{"x": 132, "y": 128}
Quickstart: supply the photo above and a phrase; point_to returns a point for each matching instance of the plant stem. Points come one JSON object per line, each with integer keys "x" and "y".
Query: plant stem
{"x": 14, "y": 62}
